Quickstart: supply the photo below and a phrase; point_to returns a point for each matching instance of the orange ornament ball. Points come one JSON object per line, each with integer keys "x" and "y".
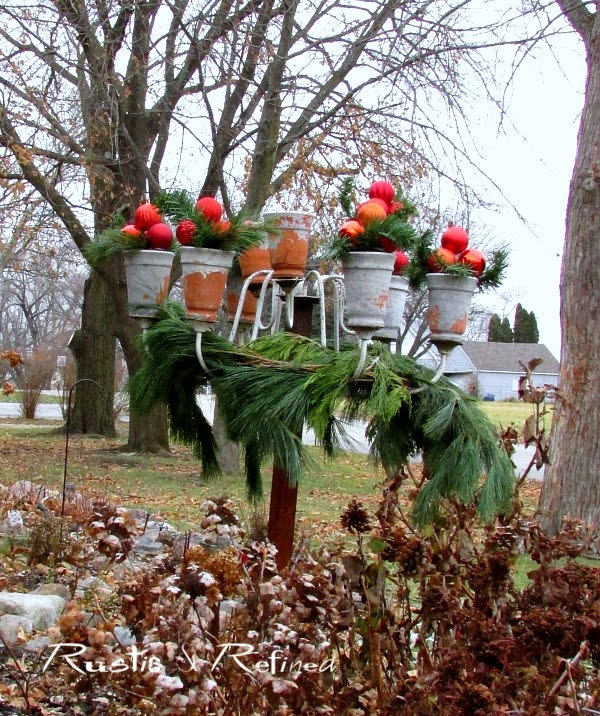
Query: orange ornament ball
{"x": 210, "y": 209}
{"x": 439, "y": 259}
{"x": 131, "y": 230}
{"x": 351, "y": 229}
{"x": 370, "y": 211}
{"x": 395, "y": 207}
{"x": 379, "y": 202}
{"x": 146, "y": 215}
{"x": 382, "y": 190}
{"x": 223, "y": 226}
{"x": 474, "y": 259}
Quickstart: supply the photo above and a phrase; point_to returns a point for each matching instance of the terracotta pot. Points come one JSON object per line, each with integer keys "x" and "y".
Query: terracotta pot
{"x": 367, "y": 277}
{"x": 449, "y": 303}
{"x": 258, "y": 258}
{"x": 234, "y": 288}
{"x": 395, "y": 312}
{"x": 204, "y": 278}
{"x": 289, "y": 247}
{"x": 148, "y": 273}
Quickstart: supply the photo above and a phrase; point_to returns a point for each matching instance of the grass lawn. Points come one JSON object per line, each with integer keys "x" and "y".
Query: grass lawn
{"x": 16, "y": 398}
{"x": 170, "y": 487}
{"x": 504, "y": 413}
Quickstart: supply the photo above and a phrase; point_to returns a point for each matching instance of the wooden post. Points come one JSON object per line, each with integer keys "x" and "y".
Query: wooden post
{"x": 284, "y": 498}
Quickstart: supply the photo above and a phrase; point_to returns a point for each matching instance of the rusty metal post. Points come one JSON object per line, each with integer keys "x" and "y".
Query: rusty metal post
{"x": 284, "y": 498}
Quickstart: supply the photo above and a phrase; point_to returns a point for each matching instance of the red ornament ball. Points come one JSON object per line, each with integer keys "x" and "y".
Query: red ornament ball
{"x": 160, "y": 236}
{"x": 386, "y": 244}
{"x": 146, "y": 215}
{"x": 439, "y": 259}
{"x": 131, "y": 230}
{"x": 185, "y": 231}
{"x": 370, "y": 211}
{"x": 351, "y": 229}
{"x": 475, "y": 260}
{"x": 455, "y": 239}
{"x": 210, "y": 209}
{"x": 401, "y": 262}
{"x": 395, "y": 207}
{"x": 382, "y": 190}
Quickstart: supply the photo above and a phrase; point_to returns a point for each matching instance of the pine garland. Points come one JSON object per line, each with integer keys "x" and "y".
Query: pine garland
{"x": 268, "y": 390}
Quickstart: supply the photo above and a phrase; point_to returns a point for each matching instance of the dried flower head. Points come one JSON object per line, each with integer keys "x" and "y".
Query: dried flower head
{"x": 355, "y": 518}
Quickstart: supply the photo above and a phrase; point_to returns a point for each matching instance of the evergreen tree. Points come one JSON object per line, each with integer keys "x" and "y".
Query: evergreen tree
{"x": 499, "y": 331}
{"x": 533, "y": 327}
{"x": 506, "y": 331}
{"x": 495, "y": 329}
{"x": 525, "y": 326}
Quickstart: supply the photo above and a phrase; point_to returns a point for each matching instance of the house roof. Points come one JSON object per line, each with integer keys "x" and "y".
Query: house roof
{"x": 505, "y": 357}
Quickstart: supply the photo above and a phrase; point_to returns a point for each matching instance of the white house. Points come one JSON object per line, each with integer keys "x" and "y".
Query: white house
{"x": 493, "y": 369}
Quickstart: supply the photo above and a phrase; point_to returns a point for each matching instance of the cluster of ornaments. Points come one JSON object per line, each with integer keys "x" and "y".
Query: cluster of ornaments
{"x": 148, "y": 224}
{"x": 454, "y": 249}
{"x": 381, "y": 203}
{"x": 212, "y": 213}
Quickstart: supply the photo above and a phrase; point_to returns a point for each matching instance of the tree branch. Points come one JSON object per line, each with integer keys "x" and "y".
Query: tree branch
{"x": 579, "y": 16}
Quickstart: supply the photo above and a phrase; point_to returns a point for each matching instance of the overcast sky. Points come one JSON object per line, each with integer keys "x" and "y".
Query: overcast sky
{"x": 532, "y": 163}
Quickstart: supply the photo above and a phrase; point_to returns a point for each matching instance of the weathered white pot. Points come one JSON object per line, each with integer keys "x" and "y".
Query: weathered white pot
{"x": 148, "y": 273}
{"x": 367, "y": 277}
{"x": 449, "y": 303}
{"x": 395, "y": 312}
{"x": 289, "y": 246}
{"x": 204, "y": 275}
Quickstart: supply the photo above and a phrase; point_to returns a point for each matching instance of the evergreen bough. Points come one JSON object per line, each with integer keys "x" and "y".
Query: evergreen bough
{"x": 269, "y": 389}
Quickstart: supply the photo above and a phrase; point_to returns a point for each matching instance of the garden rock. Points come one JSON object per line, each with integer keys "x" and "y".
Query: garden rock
{"x": 146, "y": 544}
{"x": 13, "y": 524}
{"x": 35, "y": 646}
{"x": 42, "y": 609}
{"x": 9, "y": 629}
{"x": 58, "y": 590}
{"x": 25, "y": 488}
{"x": 98, "y": 586}
{"x": 124, "y": 635}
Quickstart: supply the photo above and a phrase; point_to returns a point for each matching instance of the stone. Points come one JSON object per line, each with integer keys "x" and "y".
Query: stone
{"x": 35, "y": 646}
{"x": 13, "y": 524}
{"x": 146, "y": 544}
{"x": 9, "y": 629}
{"x": 25, "y": 488}
{"x": 94, "y": 583}
{"x": 124, "y": 635}
{"x": 59, "y": 590}
{"x": 42, "y": 609}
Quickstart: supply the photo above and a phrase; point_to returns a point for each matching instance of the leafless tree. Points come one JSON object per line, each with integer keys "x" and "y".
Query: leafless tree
{"x": 126, "y": 97}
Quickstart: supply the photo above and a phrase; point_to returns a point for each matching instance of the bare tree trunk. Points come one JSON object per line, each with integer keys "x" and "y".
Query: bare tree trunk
{"x": 93, "y": 347}
{"x": 150, "y": 432}
{"x": 229, "y": 454}
{"x": 571, "y": 487}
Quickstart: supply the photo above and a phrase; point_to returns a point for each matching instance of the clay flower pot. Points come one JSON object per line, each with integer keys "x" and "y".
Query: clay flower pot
{"x": 234, "y": 287}
{"x": 289, "y": 247}
{"x": 204, "y": 278}
{"x": 449, "y": 303}
{"x": 395, "y": 312}
{"x": 148, "y": 273}
{"x": 258, "y": 258}
{"x": 367, "y": 278}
